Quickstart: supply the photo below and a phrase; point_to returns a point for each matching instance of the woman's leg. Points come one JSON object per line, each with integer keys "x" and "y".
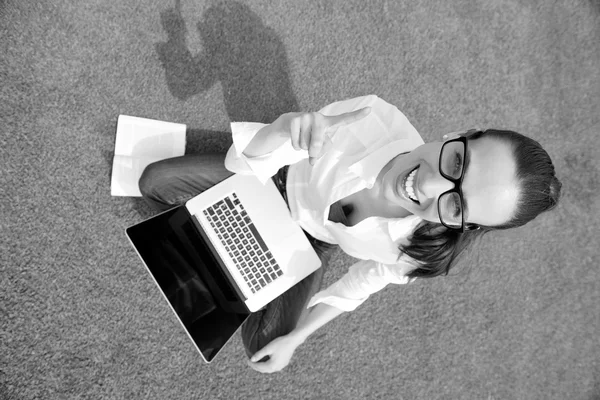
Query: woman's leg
{"x": 171, "y": 182}
{"x": 281, "y": 315}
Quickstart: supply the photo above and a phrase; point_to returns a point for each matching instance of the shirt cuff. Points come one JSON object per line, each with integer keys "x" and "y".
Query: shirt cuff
{"x": 266, "y": 165}
{"x": 340, "y": 303}
{"x": 362, "y": 279}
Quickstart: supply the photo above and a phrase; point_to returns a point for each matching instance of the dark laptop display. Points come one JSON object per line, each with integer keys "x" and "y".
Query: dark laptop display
{"x": 189, "y": 276}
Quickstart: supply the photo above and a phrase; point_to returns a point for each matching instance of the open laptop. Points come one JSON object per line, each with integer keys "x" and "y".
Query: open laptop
{"x": 222, "y": 255}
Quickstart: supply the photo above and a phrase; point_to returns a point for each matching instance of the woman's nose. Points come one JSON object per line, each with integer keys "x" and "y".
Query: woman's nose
{"x": 434, "y": 185}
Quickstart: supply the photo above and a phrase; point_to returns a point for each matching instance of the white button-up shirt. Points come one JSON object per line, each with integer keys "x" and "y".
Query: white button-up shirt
{"x": 360, "y": 150}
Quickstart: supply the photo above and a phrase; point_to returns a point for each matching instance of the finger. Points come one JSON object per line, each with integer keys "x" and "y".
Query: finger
{"x": 263, "y": 367}
{"x": 348, "y": 118}
{"x": 295, "y": 133}
{"x": 317, "y": 140}
{"x": 327, "y": 144}
{"x": 260, "y": 354}
{"x": 305, "y": 131}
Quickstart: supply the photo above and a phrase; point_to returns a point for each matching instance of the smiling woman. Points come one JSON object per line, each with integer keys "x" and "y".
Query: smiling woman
{"x": 357, "y": 175}
{"x": 460, "y": 183}
{"x": 507, "y": 180}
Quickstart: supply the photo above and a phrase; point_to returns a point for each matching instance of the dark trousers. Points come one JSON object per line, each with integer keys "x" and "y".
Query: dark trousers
{"x": 172, "y": 182}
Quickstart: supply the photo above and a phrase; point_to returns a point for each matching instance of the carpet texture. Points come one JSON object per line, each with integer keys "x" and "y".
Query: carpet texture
{"x": 81, "y": 319}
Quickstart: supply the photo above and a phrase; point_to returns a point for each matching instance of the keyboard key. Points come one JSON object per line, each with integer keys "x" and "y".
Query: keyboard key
{"x": 241, "y": 239}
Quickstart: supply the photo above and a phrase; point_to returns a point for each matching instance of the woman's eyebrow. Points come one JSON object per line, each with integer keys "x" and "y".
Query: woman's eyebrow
{"x": 467, "y": 162}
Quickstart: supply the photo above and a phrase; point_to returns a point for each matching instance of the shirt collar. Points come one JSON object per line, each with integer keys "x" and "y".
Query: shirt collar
{"x": 400, "y": 229}
{"x": 369, "y": 166}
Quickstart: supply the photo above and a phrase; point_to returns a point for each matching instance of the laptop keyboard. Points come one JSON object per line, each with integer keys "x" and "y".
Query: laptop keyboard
{"x": 243, "y": 242}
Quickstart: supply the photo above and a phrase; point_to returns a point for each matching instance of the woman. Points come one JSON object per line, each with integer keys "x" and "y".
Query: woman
{"x": 361, "y": 178}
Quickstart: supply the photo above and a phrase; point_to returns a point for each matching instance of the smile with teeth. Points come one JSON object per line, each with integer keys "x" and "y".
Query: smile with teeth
{"x": 407, "y": 185}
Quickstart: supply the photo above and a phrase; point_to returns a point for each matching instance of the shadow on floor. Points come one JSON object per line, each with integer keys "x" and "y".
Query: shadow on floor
{"x": 247, "y": 57}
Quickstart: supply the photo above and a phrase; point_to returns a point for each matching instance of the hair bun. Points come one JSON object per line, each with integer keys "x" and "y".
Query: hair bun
{"x": 554, "y": 190}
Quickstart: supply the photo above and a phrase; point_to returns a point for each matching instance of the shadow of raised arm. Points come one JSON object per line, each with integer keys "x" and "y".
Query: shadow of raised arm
{"x": 186, "y": 75}
{"x": 247, "y": 57}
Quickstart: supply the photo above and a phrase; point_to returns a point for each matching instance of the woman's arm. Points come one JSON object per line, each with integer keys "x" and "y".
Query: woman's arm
{"x": 280, "y": 350}
{"x": 362, "y": 279}
{"x": 269, "y": 138}
{"x": 261, "y": 150}
{"x": 307, "y": 131}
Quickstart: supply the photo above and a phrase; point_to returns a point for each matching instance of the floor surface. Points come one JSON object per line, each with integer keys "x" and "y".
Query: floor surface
{"x": 80, "y": 318}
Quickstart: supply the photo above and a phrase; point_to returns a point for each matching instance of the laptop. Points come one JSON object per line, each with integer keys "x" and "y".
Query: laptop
{"x": 222, "y": 255}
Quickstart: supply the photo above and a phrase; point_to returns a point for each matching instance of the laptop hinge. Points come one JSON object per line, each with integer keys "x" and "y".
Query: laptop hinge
{"x": 181, "y": 218}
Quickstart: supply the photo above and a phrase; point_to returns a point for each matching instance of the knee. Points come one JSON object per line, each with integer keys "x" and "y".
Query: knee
{"x": 148, "y": 180}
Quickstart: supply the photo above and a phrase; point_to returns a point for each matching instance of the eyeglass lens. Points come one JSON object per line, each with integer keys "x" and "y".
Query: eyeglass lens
{"x": 451, "y": 165}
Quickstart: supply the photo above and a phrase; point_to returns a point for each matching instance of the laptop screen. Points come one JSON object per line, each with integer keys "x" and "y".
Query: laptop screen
{"x": 189, "y": 279}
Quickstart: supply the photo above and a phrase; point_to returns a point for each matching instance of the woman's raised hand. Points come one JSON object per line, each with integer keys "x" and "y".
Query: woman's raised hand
{"x": 311, "y": 131}
{"x": 307, "y": 131}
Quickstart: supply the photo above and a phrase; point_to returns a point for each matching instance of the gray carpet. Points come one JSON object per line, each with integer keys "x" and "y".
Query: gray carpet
{"x": 79, "y": 317}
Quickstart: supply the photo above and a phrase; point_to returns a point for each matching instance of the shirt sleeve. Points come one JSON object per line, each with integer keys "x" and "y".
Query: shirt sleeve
{"x": 267, "y": 165}
{"x": 362, "y": 279}
{"x": 264, "y": 166}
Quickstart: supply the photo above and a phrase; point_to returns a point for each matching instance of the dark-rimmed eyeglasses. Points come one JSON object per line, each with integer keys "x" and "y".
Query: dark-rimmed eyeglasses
{"x": 452, "y": 167}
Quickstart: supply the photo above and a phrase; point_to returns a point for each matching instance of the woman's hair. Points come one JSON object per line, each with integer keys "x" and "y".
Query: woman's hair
{"x": 436, "y": 248}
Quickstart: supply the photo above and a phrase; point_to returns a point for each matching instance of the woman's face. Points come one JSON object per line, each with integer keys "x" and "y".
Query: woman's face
{"x": 489, "y": 187}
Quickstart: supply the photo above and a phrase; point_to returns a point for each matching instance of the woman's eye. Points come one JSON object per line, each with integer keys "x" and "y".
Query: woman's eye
{"x": 457, "y": 208}
{"x": 458, "y": 163}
